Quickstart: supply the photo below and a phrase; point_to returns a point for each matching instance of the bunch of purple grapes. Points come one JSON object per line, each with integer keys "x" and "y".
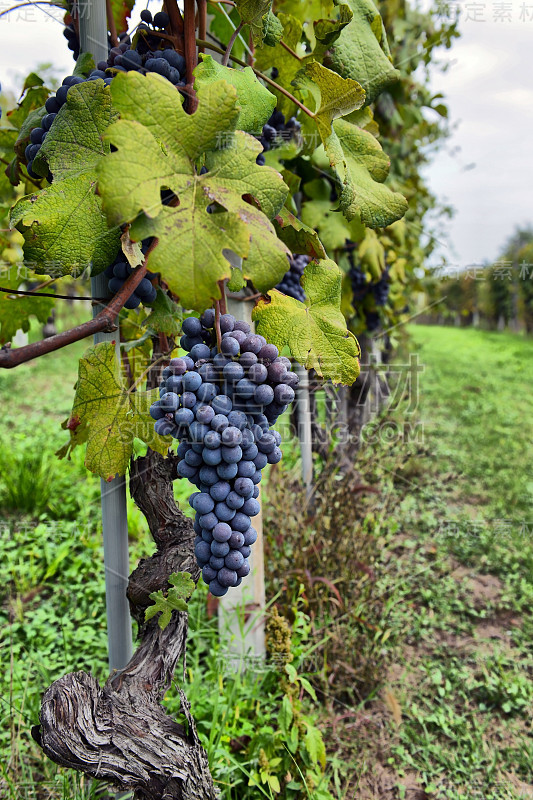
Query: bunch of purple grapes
{"x": 221, "y": 406}
{"x": 380, "y": 289}
{"x": 168, "y": 63}
{"x": 275, "y": 132}
{"x": 119, "y": 271}
{"x": 290, "y": 283}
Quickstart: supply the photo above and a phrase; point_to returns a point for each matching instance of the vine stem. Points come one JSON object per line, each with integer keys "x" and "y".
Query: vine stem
{"x": 223, "y": 306}
{"x": 191, "y": 59}
{"x": 202, "y": 21}
{"x": 217, "y": 325}
{"x": 289, "y": 50}
{"x": 104, "y": 321}
{"x": 111, "y": 24}
{"x": 260, "y": 75}
{"x": 231, "y": 42}
{"x": 176, "y": 21}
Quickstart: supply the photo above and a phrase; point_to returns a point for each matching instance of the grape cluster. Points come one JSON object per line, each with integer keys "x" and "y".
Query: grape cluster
{"x": 380, "y": 289}
{"x": 168, "y": 63}
{"x": 220, "y": 406}
{"x": 119, "y": 271}
{"x": 361, "y": 287}
{"x": 276, "y": 131}
{"x": 372, "y": 320}
{"x": 69, "y": 32}
{"x": 290, "y": 283}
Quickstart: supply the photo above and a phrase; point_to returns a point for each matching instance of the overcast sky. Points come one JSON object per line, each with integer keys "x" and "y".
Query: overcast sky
{"x": 489, "y": 90}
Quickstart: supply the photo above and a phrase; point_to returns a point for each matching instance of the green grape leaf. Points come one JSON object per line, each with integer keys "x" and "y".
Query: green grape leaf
{"x": 334, "y": 96}
{"x": 181, "y": 588}
{"x": 286, "y": 64}
{"x": 165, "y": 316}
{"x": 64, "y": 227}
{"x": 113, "y": 415}
{"x": 327, "y": 31}
{"x": 361, "y": 51}
{"x": 299, "y": 237}
{"x": 16, "y": 310}
{"x": 256, "y": 102}
{"x": 315, "y": 334}
{"x": 332, "y": 227}
{"x": 84, "y": 65}
{"x": 361, "y": 166}
{"x": 252, "y": 13}
{"x": 158, "y": 146}
{"x": 308, "y": 11}
{"x": 272, "y": 29}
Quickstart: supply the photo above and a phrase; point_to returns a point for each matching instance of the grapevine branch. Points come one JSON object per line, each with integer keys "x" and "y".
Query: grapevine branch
{"x": 202, "y": 21}
{"x": 111, "y": 23}
{"x": 231, "y": 42}
{"x": 189, "y": 31}
{"x": 104, "y": 321}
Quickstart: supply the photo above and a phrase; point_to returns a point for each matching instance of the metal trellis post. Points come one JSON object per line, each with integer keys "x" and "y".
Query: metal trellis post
{"x": 93, "y": 39}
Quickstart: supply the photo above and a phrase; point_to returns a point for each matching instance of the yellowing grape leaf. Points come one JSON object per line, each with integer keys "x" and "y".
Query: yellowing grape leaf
{"x": 64, "y": 227}
{"x": 158, "y": 146}
{"x": 299, "y": 237}
{"x": 16, "y": 310}
{"x": 113, "y": 416}
{"x": 121, "y": 10}
{"x": 361, "y": 51}
{"x": 334, "y": 96}
{"x": 255, "y": 101}
{"x": 315, "y": 334}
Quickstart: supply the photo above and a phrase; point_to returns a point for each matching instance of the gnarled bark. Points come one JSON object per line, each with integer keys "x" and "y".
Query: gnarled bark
{"x": 120, "y": 733}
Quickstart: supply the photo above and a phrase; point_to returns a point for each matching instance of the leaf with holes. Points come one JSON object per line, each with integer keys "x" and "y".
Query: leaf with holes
{"x": 64, "y": 227}
{"x": 315, "y": 334}
{"x": 158, "y": 147}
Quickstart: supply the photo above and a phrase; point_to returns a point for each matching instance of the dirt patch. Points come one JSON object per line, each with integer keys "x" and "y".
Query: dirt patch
{"x": 483, "y": 590}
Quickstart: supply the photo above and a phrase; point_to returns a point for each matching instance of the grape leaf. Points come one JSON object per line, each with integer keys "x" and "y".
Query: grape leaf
{"x": 361, "y": 51}
{"x": 315, "y": 334}
{"x": 16, "y": 310}
{"x": 317, "y": 212}
{"x": 158, "y": 146}
{"x": 165, "y": 316}
{"x": 327, "y": 31}
{"x": 121, "y": 10}
{"x": 182, "y": 587}
{"x": 272, "y": 29}
{"x": 64, "y": 224}
{"x": 114, "y": 416}
{"x": 371, "y": 254}
{"x": 361, "y": 167}
{"x": 298, "y": 237}
{"x": 334, "y": 96}
{"x": 256, "y": 102}
{"x": 253, "y": 13}
{"x": 286, "y": 64}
